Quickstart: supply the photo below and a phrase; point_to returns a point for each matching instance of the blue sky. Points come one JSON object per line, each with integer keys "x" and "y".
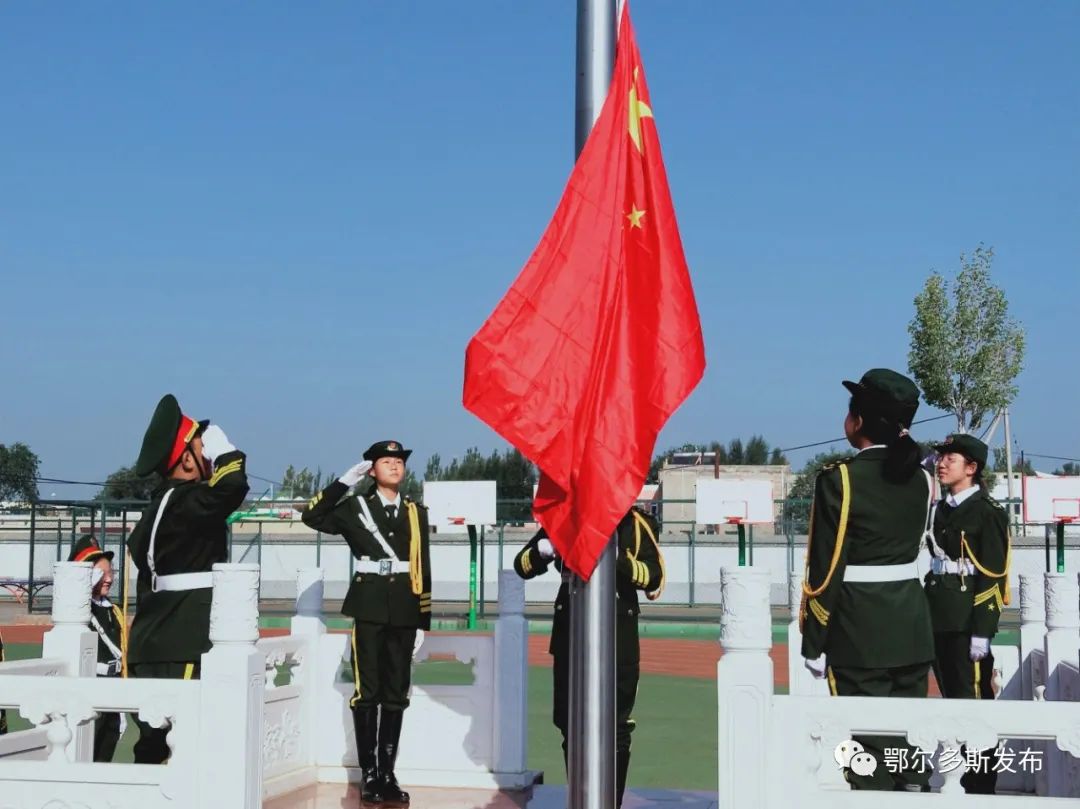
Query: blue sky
{"x": 294, "y": 216}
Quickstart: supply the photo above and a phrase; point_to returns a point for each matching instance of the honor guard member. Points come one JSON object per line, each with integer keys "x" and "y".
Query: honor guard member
{"x": 639, "y": 566}
{"x": 389, "y": 599}
{"x": 864, "y": 618}
{"x": 107, "y": 621}
{"x": 182, "y": 534}
{"x": 968, "y": 583}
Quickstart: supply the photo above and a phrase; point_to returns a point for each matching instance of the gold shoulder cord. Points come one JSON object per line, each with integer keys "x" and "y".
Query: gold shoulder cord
{"x": 416, "y": 562}
{"x": 841, "y": 530}
{"x": 639, "y": 523}
{"x": 989, "y": 573}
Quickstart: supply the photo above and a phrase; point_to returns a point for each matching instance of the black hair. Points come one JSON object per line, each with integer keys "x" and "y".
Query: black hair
{"x": 904, "y": 457}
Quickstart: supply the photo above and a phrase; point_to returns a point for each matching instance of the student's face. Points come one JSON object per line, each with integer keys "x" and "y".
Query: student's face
{"x": 954, "y": 468}
{"x": 388, "y": 471}
{"x": 102, "y": 588}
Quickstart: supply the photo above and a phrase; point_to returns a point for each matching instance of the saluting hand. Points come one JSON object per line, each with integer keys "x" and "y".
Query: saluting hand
{"x": 355, "y": 473}
{"x": 215, "y": 443}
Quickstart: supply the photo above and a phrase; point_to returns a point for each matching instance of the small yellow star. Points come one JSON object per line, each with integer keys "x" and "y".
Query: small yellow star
{"x": 635, "y": 216}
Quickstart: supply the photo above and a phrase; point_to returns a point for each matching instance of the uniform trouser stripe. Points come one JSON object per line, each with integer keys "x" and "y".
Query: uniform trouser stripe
{"x": 832, "y": 681}
{"x": 976, "y": 681}
{"x": 189, "y": 670}
{"x": 356, "y": 670}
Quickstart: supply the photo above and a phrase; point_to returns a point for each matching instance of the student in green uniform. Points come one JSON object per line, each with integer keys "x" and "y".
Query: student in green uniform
{"x": 864, "y": 616}
{"x": 968, "y": 583}
{"x": 639, "y": 566}
{"x": 180, "y": 537}
{"x": 389, "y": 601}
{"x": 107, "y": 621}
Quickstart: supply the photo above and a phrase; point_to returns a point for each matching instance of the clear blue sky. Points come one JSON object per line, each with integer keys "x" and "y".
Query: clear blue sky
{"x": 294, "y": 216}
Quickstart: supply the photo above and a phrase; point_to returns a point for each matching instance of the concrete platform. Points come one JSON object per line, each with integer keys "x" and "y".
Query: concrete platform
{"x": 340, "y": 796}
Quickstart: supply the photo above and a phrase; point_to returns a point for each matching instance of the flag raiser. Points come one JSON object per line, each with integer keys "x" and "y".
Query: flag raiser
{"x": 598, "y": 340}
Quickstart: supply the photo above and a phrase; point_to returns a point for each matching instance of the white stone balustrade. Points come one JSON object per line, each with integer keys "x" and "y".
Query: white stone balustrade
{"x": 776, "y": 751}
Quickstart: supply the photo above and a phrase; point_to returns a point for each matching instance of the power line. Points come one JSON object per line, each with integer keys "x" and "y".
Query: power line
{"x": 834, "y": 440}
{"x": 1050, "y": 457}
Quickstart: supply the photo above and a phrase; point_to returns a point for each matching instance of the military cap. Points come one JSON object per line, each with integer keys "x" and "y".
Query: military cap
{"x": 887, "y": 393}
{"x": 386, "y": 449}
{"x": 86, "y": 549}
{"x": 967, "y": 445}
{"x": 169, "y": 433}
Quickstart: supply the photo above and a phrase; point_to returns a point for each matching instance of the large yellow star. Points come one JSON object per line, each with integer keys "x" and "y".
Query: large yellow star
{"x": 638, "y": 110}
{"x": 635, "y": 216}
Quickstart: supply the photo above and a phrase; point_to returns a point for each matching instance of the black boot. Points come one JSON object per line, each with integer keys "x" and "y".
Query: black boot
{"x": 366, "y": 723}
{"x": 622, "y": 766}
{"x": 389, "y": 734}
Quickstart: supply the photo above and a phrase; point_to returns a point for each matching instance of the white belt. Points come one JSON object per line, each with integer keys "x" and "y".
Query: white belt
{"x": 177, "y": 582}
{"x": 382, "y": 567}
{"x": 881, "y": 573}
{"x": 941, "y": 566}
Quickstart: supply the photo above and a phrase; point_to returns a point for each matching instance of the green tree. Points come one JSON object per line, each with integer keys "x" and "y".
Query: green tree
{"x": 757, "y": 451}
{"x": 301, "y": 483}
{"x": 796, "y": 516}
{"x": 1000, "y": 465}
{"x": 1069, "y": 468}
{"x": 965, "y": 349}
{"x": 777, "y": 458}
{"x": 18, "y": 473}
{"x": 124, "y": 484}
{"x": 735, "y": 454}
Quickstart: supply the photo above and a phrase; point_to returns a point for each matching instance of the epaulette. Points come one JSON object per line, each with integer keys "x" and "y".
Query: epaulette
{"x": 837, "y": 464}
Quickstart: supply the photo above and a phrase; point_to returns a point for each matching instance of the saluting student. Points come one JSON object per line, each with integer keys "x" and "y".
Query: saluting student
{"x": 389, "y": 600}
{"x": 864, "y": 616}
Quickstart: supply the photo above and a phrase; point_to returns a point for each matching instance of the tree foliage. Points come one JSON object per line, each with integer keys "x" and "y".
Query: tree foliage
{"x": 1068, "y": 468}
{"x": 302, "y": 483}
{"x": 1000, "y": 464}
{"x": 18, "y": 473}
{"x": 124, "y": 484}
{"x": 965, "y": 350}
{"x": 755, "y": 452}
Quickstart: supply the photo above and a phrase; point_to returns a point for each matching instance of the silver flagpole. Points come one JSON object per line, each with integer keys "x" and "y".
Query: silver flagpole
{"x": 591, "y": 732}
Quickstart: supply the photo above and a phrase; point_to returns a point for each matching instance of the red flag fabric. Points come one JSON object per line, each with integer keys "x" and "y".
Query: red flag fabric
{"x": 598, "y": 341}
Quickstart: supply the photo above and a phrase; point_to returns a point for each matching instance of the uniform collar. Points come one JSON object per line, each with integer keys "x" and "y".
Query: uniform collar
{"x": 955, "y": 500}
{"x": 102, "y": 602}
{"x": 872, "y": 446}
{"x": 396, "y": 502}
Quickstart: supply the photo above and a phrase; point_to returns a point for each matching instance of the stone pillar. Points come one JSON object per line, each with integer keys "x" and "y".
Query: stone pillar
{"x": 744, "y": 681}
{"x": 511, "y": 676}
{"x": 1062, "y": 646}
{"x": 308, "y": 622}
{"x": 72, "y": 641}
{"x": 233, "y": 686}
{"x": 1033, "y": 658}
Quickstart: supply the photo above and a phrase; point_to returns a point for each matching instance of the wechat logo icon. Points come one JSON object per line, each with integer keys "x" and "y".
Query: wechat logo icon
{"x": 851, "y": 755}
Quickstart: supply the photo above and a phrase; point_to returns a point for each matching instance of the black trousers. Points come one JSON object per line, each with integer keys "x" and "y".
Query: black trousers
{"x": 902, "y": 681}
{"x": 106, "y": 735}
{"x": 151, "y": 747}
{"x": 381, "y": 665}
{"x": 626, "y": 685}
{"x": 959, "y": 677}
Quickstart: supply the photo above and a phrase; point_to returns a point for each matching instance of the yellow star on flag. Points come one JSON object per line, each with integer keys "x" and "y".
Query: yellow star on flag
{"x": 635, "y": 216}
{"x": 638, "y": 110}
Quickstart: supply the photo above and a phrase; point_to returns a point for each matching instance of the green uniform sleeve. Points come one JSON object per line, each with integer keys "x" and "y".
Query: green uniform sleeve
{"x": 529, "y": 563}
{"x": 825, "y": 557}
{"x": 321, "y": 512}
{"x": 989, "y": 552}
{"x": 641, "y": 562}
{"x": 224, "y": 493}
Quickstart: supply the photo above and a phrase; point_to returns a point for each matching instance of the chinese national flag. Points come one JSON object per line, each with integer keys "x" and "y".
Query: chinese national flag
{"x": 598, "y": 341}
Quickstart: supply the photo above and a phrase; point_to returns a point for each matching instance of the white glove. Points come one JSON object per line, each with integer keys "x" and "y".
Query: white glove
{"x": 546, "y": 549}
{"x": 215, "y": 443}
{"x": 980, "y": 648}
{"x": 815, "y": 666}
{"x": 418, "y": 642}
{"x": 355, "y": 473}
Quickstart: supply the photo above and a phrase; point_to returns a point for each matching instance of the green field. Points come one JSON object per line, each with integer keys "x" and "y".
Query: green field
{"x": 674, "y": 744}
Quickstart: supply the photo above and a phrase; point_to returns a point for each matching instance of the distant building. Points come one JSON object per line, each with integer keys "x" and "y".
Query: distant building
{"x": 680, "y": 474}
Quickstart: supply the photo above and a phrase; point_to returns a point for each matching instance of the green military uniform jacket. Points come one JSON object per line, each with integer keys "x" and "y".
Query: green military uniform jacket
{"x": 108, "y": 623}
{"x": 860, "y": 518}
{"x": 977, "y": 530}
{"x": 639, "y": 566}
{"x": 174, "y": 627}
{"x": 398, "y": 599}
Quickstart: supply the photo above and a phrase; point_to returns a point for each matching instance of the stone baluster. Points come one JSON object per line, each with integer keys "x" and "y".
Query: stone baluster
{"x": 1032, "y": 658}
{"x": 1062, "y": 645}
{"x": 744, "y": 681}
{"x": 511, "y": 676}
{"x": 72, "y": 641}
{"x": 233, "y": 693}
{"x": 308, "y": 623}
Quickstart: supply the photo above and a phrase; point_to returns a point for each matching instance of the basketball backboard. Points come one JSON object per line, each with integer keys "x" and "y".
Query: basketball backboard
{"x": 1051, "y": 499}
{"x": 734, "y": 500}
{"x": 454, "y": 504}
